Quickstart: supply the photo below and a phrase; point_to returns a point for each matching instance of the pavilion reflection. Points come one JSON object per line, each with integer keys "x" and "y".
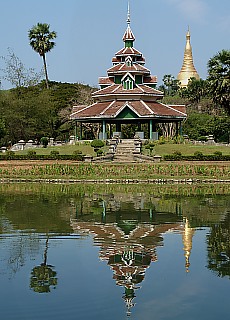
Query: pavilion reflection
{"x": 128, "y": 236}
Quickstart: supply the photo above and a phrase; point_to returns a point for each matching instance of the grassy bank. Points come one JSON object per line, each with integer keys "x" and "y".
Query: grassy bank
{"x": 76, "y": 190}
{"x": 139, "y": 171}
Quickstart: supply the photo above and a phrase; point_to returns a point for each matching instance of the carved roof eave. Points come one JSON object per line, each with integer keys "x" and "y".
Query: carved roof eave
{"x": 153, "y": 116}
{"x": 141, "y": 72}
{"x": 130, "y": 52}
{"x": 178, "y": 114}
{"x": 127, "y": 96}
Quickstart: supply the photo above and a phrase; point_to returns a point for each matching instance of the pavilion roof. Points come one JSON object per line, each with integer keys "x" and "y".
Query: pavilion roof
{"x": 143, "y": 109}
{"x": 122, "y": 67}
{"x": 129, "y": 51}
{"x": 118, "y": 89}
{"x": 128, "y": 35}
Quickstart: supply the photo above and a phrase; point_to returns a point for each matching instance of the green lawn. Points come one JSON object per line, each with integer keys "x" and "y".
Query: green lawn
{"x": 189, "y": 149}
{"x": 86, "y": 149}
{"x": 163, "y": 149}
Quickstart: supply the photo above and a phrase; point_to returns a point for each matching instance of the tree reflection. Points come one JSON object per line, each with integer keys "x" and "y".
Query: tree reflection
{"x": 43, "y": 277}
{"x": 219, "y": 248}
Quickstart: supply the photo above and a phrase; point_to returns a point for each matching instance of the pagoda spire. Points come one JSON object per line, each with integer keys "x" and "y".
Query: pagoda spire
{"x": 187, "y": 70}
{"x": 128, "y": 37}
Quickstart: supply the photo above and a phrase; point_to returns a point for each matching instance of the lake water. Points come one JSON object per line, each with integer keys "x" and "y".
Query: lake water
{"x": 104, "y": 252}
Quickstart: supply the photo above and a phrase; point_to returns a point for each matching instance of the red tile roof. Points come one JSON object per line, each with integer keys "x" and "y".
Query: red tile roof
{"x": 150, "y": 79}
{"x": 122, "y": 67}
{"x": 128, "y": 51}
{"x": 118, "y": 89}
{"x": 111, "y": 109}
{"x": 128, "y": 35}
{"x": 105, "y": 80}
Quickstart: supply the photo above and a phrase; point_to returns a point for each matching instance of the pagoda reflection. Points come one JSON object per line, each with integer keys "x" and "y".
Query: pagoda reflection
{"x": 128, "y": 235}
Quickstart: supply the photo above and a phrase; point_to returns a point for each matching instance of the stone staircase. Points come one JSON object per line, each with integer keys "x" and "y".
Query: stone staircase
{"x": 124, "y": 151}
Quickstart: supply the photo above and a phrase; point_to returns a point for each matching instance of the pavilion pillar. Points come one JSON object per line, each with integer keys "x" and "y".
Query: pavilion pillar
{"x": 75, "y": 130}
{"x": 118, "y": 127}
{"x": 80, "y": 131}
{"x": 177, "y": 129}
{"x": 139, "y": 126}
{"x": 181, "y": 131}
{"x": 103, "y": 130}
{"x": 150, "y": 129}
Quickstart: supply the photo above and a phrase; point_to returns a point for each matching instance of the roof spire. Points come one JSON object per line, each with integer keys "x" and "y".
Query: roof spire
{"x": 128, "y": 15}
{"x": 128, "y": 37}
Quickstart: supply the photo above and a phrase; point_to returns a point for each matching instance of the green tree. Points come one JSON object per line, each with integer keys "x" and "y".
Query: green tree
{"x": 219, "y": 79}
{"x": 195, "y": 91}
{"x": 171, "y": 85}
{"x": 40, "y": 38}
{"x": 17, "y": 74}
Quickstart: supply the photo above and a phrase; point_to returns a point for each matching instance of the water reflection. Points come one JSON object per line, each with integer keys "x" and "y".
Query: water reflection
{"x": 218, "y": 241}
{"x": 43, "y": 277}
{"x": 128, "y": 235}
{"x": 129, "y": 230}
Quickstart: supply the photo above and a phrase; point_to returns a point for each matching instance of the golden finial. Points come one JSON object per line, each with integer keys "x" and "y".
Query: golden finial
{"x": 188, "y": 70}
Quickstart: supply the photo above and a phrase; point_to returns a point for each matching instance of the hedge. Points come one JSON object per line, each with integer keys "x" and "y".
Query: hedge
{"x": 198, "y": 157}
{"x": 75, "y": 157}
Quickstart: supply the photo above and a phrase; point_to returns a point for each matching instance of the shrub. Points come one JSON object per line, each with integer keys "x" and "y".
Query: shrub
{"x": 9, "y": 154}
{"x": 54, "y": 153}
{"x": 97, "y": 144}
{"x": 177, "y": 155}
{"x": 162, "y": 140}
{"x": 198, "y": 154}
{"x": 100, "y": 152}
{"x": 218, "y": 153}
{"x": 77, "y": 152}
{"x": 31, "y": 154}
{"x": 44, "y": 141}
{"x": 150, "y": 146}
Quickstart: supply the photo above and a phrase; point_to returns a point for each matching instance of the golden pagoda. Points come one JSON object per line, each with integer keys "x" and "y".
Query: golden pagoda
{"x": 188, "y": 70}
{"x": 187, "y": 237}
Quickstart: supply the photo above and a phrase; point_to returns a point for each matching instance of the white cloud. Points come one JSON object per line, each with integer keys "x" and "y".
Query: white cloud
{"x": 192, "y": 9}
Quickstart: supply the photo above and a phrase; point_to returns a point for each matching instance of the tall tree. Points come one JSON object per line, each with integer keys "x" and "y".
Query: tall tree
{"x": 40, "y": 38}
{"x": 196, "y": 89}
{"x": 219, "y": 79}
{"x": 171, "y": 84}
{"x": 17, "y": 74}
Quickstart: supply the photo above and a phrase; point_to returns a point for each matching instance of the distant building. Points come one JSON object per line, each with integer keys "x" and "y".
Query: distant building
{"x": 187, "y": 70}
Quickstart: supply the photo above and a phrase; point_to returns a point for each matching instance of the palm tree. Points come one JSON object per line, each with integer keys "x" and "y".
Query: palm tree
{"x": 41, "y": 41}
{"x": 219, "y": 79}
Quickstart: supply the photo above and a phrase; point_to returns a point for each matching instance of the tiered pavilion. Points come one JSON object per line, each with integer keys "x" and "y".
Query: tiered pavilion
{"x": 128, "y": 95}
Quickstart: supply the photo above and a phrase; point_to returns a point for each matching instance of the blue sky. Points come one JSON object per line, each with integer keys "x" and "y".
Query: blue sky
{"x": 89, "y": 32}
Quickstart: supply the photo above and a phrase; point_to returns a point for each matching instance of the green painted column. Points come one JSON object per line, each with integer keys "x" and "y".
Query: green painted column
{"x": 118, "y": 127}
{"x": 75, "y": 130}
{"x": 150, "y": 129}
{"x": 181, "y": 131}
{"x": 81, "y": 131}
{"x": 103, "y": 130}
{"x": 177, "y": 131}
